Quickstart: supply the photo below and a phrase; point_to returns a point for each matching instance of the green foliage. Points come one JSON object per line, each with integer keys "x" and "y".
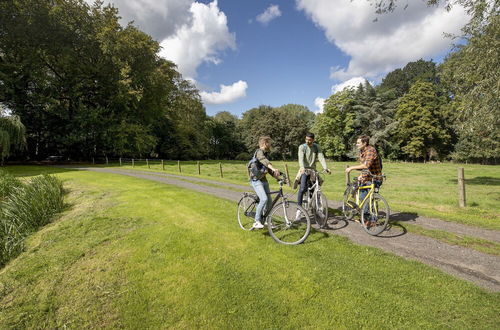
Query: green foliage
{"x": 400, "y": 80}
{"x": 24, "y": 209}
{"x": 421, "y": 129}
{"x": 74, "y": 76}
{"x": 471, "y": 75}
{"x": 12, "y": 134}
{"x": 7, "y": 184}
{"x": 335, "y": 126}
{"x": 225, "y": 140}
{"x": 286, "y": 125}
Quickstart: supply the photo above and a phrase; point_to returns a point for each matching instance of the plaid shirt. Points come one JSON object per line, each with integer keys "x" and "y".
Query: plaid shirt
{"x": 369, "y": 157}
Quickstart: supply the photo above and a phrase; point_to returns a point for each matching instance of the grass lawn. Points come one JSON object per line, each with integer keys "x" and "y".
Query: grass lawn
{"x": 424, "y": 189}
{"x": 130, "y": 253}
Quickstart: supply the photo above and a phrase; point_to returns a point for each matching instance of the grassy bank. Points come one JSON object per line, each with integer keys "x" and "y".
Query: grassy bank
{"x": 136, "y": 254}
{"x": 424, "y": 189}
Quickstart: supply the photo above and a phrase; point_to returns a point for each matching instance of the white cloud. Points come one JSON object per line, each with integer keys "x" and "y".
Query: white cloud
{"x": 319, "y": 102}
{"x": 272, "y": 12}
{"x": 158, "y": 18}
{"x": 227, "y": 94}
{"x": 394, "y": 40}
{"x": 200, "y": 40}
{"x": 351, "y": 83}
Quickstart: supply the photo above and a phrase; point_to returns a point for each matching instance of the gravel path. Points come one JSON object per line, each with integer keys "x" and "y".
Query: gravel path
{"x": 479, "y": 268}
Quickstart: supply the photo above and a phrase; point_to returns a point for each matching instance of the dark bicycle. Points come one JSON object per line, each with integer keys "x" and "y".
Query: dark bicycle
{"x": 287, "y": 222}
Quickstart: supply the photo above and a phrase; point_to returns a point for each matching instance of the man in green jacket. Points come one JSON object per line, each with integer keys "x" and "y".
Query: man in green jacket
{"x": 309, "y": 154}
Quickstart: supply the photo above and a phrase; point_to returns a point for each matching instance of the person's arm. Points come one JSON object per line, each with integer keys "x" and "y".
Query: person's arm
{"x": 302, "y": 164}
{"x": 322, "y": 159}
{"x": 262, "y": 158}
{"x": 357, "y": 167}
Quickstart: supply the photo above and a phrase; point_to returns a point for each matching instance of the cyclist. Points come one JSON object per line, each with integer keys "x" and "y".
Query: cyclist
{"x": 309, "y": 154}
{"x": 261, "y": 185}
{"x": 369, "y": 159}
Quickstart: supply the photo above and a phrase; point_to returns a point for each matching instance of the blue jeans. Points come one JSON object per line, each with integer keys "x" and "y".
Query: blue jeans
{"x": 304, "y": 179}
{"x": 262, "y": 190}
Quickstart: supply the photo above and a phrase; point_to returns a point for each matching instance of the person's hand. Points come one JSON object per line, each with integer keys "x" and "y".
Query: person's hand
{"x": 348, "y": 170}
{"x": 302, "y": 170}
{"x": 276, "y": 172}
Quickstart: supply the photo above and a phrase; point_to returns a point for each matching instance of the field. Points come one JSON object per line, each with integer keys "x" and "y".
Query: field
{"x": 138, "y": 254}
{"x": 422, "y": 189}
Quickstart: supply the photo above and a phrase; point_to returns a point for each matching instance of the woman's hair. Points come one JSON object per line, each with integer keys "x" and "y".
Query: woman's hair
{"x": 264, "y": 139}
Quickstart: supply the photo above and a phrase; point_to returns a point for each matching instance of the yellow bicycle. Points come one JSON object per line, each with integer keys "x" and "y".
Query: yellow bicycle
{"x": 374, "y": 209}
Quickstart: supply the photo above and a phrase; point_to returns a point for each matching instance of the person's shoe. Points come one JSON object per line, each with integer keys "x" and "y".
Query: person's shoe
{"x": 257, "y": 225}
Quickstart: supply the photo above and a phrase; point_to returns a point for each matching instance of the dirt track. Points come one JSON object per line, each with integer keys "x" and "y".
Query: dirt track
{"x": 479, "y": 268}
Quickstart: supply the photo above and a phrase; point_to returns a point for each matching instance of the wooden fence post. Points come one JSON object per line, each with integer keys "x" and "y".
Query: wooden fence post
{"x": 220, "y": 167}
{"x": 107, "y": 162}
{"x": 120, "y": 161}
{"x": 162, "y": 165}
{"x": 93, "y": 161}
{"x": 199, "y": 169}
{"x": 346, "y": 176}
{"x": 461, "y": 187}
{"x": 147, "y": 163}
{"x": 179, "y": 166}
{"x": 288, "y": 175}
{"x": 133, "y": 162}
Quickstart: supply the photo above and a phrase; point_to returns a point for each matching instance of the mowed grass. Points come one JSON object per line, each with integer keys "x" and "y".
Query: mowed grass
{"x": 130, "y": 253}
{"x": 422, "y": 189}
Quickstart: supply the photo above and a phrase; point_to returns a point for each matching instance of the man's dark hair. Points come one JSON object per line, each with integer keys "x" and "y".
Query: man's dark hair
{"x": 364, "y": 139}
{"x": 310, "y": 135}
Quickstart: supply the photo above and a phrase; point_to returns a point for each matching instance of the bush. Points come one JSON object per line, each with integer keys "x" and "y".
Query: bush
{"x": 7, "y": 183}
{"x": 243, "y": 156}
{"x": 27, "y": 207}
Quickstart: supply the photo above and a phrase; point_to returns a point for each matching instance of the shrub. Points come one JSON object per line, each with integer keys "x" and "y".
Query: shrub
{"x": 7, "y": 183}
{"x": 243, "y": 156}
{"x": 27, "y": 207}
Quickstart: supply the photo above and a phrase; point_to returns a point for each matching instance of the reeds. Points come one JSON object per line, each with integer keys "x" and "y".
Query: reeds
{"x": 25, "y": 208}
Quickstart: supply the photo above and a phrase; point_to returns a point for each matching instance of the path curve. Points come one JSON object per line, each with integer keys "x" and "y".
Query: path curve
{"x": 476, "y": 267}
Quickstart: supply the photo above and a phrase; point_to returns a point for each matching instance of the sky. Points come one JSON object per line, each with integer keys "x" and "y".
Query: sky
{"x": 244, "y": 53}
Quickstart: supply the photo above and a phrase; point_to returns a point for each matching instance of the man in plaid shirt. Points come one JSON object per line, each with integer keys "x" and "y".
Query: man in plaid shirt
{"x": 369, "y": 159}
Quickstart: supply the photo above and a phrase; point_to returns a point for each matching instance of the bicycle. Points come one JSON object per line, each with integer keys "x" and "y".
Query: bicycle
{"x": 378, "y": 209}
{"x": 284, "y": 223}
{"x": 315, "y": 202}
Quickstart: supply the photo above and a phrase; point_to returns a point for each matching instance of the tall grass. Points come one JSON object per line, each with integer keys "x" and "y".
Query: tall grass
{"x": 7, "y": 183}
{"x": 25, "y": 208}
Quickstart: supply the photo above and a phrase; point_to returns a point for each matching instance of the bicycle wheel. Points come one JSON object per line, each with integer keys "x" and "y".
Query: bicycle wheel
{"x": 289, "y": 223}
{"x": 247, "y": 207}
{"x": 378, "y": 215}
{"x": 348, "y": 204}
{"x": 320, "y": 208}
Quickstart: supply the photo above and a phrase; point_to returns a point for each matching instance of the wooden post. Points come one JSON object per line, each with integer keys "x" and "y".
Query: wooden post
{"x": 347, "y": 176}
{"x": 93, "y": 161}
{"x": 220, "y": 167}
{"x": 147, "y": 163}
{"x": 199, "y": 169}
{"x": 179, "y": 166}
{"x": 288, "y": 175}
{"x": 132, "y": 162}
{"x": 120, "y": 161}
{"x": 461, "y": 187}
{"x": 162, "y": 165}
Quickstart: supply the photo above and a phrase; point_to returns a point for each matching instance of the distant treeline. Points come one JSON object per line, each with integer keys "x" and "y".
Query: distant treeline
{"x": 84, "y": 86}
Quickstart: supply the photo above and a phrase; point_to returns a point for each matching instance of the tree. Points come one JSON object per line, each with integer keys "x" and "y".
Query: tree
{"x": 400, "y": 80}
{"x": 287, "y": 125}
{"x": 224, "y": 139}
{"x": 471, "y": 76}
{"x": 422, "y": 129}
{"x": 12, "y": 135}
{"x": 335, "y": 126}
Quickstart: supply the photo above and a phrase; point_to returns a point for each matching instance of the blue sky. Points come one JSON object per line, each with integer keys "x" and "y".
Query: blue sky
{"x": 245, "y": 53}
